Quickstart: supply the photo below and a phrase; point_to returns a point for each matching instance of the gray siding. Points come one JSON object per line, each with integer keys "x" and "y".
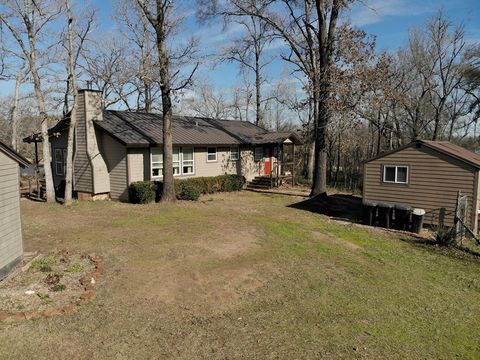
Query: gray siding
{"x": 115, "y": 155}
{"x": 222, "y": 166}
{"x": 138, "y": 162}
{"x": 202, "y": 167}
{"x": 59, "y": 142}
{"x": 83, "y": 169}
{"x": 11, "y": 247}
{"x": 434, "y": 180}
{"x": 249, "y": 167}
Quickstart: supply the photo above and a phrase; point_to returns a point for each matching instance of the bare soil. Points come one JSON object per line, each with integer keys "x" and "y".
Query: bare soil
{"x": 248, "y": 276}
{"x": 52, "y": 280}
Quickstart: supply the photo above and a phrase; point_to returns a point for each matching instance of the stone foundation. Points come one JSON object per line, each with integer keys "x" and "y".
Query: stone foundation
{"x": 85, "y": 196}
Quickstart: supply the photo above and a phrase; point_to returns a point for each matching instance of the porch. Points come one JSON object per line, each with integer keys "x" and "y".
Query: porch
{"x": 276, "y": 158}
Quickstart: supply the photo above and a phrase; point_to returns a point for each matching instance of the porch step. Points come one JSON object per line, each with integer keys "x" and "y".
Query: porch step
{"x": 260, "y": 182}
{"x": 257, "y": 187}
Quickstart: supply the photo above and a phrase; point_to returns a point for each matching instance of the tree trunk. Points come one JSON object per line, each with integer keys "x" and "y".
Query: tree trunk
{"x": 168, "y": 193}
{"x": 73, "y": 115}
{"x": 259, "y": 116}
{"x": 319, "y": 186}
{"x": 47, "y": 160}
{"x": 13, "y": 115}
{"x": 311, "y": 160}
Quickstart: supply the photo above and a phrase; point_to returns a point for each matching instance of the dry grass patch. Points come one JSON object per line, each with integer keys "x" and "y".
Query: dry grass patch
{"x": 246, "y": 275}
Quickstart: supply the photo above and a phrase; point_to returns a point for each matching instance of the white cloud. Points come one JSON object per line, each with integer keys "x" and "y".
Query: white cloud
{"x": 374, "y": 11}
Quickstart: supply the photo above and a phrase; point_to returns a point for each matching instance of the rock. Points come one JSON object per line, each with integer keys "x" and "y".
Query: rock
{"x": 90, "y": 287}
{"x": 87, "y": 296}
{"x": 95, "y": 258}
{"x": 84, "y": 280}
{"x": 68, "y": 309}
{"x": 29, "y": 292}
{"x": 49, "y": 312}
{"x": 82, "y": 302}
{"x": 19, "y": 316}
{"x": 29, "y": 315}
{"x": 4, "y": 316}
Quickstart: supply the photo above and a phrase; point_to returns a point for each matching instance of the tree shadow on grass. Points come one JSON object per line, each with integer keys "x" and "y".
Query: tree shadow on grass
{"x": 349, "y": 208}
{"x": 461, "y": 252}
{"x": 338, "y": 206}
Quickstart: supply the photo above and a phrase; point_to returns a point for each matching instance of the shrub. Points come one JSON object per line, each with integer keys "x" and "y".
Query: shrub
{"x": 446, "y": 236}
{"x": 44, "y": 265}
{"x": 142, "y": 192}
{"x": 74, "y": 268}
{"x": 59, "y": 287}
{"x": 189, "y": 192}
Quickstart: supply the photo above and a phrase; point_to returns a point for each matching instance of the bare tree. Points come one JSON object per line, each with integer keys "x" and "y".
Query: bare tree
{"x": 19, "y": 80}
{"x": 249, "y": 52}
{"x": 309, "y": 28}
{"x": 106, "y": 66}
{"x": 447, "y": 45}
{"x": 160, "y": 14}
{"x": 206, "y": 102}
{"x": 471, "y": 82}
{"x": 76, "y": 38}
{"x": 28, "y": 23}
{"x": 142, "y": 62}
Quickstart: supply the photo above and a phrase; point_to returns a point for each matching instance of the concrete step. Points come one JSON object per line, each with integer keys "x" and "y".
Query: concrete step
{"x": 261, "y": 182}
{"x": 258, "y": 186}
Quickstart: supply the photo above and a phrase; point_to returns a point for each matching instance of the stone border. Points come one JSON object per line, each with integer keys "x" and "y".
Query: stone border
{"x": 89, "y": 294}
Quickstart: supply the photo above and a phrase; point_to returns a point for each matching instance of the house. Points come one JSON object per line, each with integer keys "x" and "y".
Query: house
{"x": 115, "y": 148}
{"x": 427, "y": 175}
{"x": 11, "y": 246}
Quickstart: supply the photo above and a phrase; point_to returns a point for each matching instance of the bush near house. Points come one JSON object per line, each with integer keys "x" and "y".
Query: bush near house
{"x": 143, "y": 192}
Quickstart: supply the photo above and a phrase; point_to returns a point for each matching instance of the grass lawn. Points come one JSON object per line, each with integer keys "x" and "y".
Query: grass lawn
{"x": 246, "y": 276}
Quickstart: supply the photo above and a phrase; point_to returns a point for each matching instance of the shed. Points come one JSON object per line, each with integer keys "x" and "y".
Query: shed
{"x": 11, "y": 246}
{"x": 428, "y": 175}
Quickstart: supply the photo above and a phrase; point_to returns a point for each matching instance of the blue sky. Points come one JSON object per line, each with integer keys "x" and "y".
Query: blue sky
{"x": 388, "y": 20}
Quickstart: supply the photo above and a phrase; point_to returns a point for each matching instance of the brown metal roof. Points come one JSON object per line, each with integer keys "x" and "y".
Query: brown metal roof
{"x": 245, "y": 131}
{"x": 143, "y": 129}
{"x": 146, "y": 129}
{"x": 455, "y": 151}
{"x": 278, "y": 137}
{"x": 444, "y": 147}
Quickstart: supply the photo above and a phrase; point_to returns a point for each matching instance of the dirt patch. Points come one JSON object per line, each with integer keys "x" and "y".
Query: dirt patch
{"x": 233, "y": 243}
{"x": 332, "y": 239}
{"x": 51, "y": 281}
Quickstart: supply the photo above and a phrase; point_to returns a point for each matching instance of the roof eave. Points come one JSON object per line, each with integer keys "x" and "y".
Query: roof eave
{"x": 22, "y": 161}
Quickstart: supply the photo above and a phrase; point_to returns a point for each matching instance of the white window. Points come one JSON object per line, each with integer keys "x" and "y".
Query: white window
{"x": 187, "y": 161}
{"x": 211, "y": 154}
{"x": 234, "y": 153}
{"x": 395, "y": 174}
{"x": 182, "y": 159}
{"x": 157, "y": 162}
{"x": 60, "y": 159}
{"x": 176, "y": 161}
{"x": 258, "y": 154}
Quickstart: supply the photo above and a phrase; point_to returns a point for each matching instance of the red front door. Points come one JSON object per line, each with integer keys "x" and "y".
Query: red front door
{"x": 267, "y": 158}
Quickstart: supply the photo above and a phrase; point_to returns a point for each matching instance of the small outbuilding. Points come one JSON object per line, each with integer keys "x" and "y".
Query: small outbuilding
{"x": 427, "y": 175}
{"x": 11, "y": 244}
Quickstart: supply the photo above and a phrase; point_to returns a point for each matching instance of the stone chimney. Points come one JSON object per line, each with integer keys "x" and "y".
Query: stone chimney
{"x": 92, "y": 180}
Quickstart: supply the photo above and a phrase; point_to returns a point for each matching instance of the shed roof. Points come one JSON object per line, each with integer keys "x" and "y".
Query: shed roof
{"x": 7, "y": 150}
{"x": 444, "y": 147}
